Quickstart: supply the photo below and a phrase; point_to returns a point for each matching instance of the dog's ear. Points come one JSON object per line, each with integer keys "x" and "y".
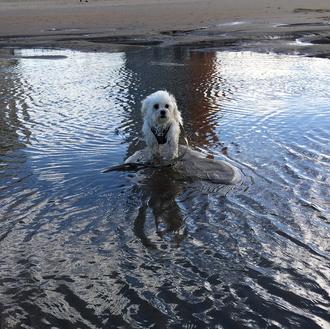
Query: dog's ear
{"x": 176, "y": 112}
{"x": 144, "y": 106}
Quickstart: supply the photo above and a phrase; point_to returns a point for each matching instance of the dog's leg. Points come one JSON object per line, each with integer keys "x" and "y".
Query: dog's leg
{"x": 153, "y": 152}
{"x": 171, "y": 150}
{"x": 172, "y": 145}
{"x": 152, "y": 145}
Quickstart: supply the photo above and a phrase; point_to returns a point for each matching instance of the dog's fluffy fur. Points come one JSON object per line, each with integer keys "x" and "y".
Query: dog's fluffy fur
{"x": 160, "y": 111}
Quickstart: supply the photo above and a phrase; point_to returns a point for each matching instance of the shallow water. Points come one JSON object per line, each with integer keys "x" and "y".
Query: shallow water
{"x": 81, "y": 249}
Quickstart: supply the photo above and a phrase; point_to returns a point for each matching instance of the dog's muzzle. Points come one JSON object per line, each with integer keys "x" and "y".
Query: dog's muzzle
{"x": 163, "y": 114}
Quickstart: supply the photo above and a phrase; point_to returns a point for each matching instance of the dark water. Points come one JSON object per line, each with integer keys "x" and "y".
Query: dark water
{"x": 81, "y": 249}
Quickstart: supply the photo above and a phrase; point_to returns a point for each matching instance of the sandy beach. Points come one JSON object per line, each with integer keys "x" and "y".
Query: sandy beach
{"x": 297, "y": 26}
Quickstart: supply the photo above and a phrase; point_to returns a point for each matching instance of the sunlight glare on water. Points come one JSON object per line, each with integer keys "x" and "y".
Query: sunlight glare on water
{"x": 82, "y": 249}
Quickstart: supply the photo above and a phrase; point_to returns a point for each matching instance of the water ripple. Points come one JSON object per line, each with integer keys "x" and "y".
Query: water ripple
{"x": 91, "y": 250}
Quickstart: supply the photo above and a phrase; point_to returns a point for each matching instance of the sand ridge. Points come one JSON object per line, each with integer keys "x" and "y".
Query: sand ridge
{"x": 117, "y": 24}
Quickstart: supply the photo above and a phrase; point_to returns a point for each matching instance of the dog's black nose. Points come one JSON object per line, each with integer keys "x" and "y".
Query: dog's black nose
{"x": 162, "y": 113}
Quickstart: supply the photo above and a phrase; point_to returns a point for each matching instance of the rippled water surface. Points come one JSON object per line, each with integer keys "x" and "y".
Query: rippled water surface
{"x": 82, "y": 249}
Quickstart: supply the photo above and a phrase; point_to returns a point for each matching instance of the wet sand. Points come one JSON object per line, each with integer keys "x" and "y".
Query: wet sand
{"x": 298, "y": 27}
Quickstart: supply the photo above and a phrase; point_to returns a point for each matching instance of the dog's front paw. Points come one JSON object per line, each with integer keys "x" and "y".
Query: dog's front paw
{"x": 171, "y": 153}
{"x": 152, "y": 156}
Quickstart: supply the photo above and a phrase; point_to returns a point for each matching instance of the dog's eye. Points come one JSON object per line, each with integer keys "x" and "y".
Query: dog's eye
{"x": 167, "y": 106}
{"x": 156, "y": 106}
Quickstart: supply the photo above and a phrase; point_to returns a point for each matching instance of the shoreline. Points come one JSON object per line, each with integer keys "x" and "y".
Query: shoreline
{"x": 101, "y": 25}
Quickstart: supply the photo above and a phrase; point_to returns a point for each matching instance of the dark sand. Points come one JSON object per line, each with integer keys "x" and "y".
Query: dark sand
{"x": 293, "y": 27}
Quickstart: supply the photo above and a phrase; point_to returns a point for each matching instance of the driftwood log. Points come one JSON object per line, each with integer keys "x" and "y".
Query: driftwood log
{"x": 192, "y": 164}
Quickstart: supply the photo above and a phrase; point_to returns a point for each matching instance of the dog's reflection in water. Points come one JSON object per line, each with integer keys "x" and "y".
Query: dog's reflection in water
{"x": 159, "y": 192}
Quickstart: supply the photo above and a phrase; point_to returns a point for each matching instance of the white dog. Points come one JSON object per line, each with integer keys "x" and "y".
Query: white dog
{"x": 161, "y": 125}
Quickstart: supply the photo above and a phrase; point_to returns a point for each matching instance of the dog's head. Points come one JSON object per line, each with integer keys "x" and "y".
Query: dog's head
{"x": 160, "y": 108}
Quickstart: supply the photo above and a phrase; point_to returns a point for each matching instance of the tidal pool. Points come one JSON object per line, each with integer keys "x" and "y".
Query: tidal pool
{"x": 82, "y": 249}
